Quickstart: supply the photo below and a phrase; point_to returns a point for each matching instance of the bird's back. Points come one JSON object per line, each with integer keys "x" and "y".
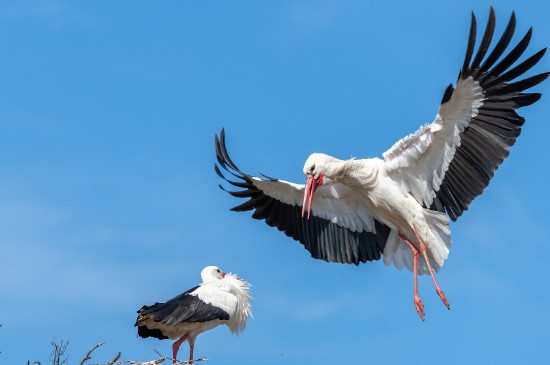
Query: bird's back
{"x": 159, "y": 319}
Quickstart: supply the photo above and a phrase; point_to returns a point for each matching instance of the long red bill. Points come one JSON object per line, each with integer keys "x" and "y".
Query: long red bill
{"x": 308, "y": 193}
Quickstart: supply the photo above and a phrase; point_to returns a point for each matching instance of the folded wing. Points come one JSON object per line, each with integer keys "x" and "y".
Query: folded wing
{"x": 186, "y": 307}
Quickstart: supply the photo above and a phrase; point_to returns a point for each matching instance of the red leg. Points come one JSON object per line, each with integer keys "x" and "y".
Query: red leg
{"x": 437, "y": 288}
{"x": 176, "y": 347}
{"x": 417, "y": 301}
{"x": 191, "y": 353}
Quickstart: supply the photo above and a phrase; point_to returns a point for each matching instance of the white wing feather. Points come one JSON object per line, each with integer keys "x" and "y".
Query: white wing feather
{"x": 217, "y": 295}
{"x": 334, "y": 202}
{"x": 419, "y": 161}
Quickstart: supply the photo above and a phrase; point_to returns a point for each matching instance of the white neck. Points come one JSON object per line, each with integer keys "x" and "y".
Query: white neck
{"x": 358, "y": 174}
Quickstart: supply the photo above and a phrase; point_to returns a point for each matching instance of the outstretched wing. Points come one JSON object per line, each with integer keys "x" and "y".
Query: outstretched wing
{"x": 340, "y": 228}
{"x": 448, "y": 163}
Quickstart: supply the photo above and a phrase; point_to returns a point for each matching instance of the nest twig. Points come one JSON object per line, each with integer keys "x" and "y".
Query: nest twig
{"x": 116, "y": 361}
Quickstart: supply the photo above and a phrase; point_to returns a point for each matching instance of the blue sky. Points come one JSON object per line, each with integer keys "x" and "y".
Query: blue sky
{"x": 109, "y": 198}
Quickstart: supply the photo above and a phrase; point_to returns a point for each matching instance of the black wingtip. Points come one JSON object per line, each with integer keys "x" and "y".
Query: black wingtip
{"x": 512, "y": 57}
{"x": 145, "y": 332}
{"x": 224, "y": 160}
{"x": 470, "y": 47}
{"x": 448, "y": 93}
{"x": 219, "y": 156}
{"x": 485, "y": 41}
{"x": 519, "y": 69}
{"x": 526, "y": 83}
{"x": 217, "y": 169}
{"x": 223, "y": 156}
{"x": 500, "y": 47}
{"x": 269, "y": 178}
{"x": 528, "y": 99}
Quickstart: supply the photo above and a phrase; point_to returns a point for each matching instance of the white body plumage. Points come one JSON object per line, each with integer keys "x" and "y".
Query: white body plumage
{"x": 401, "y": 206}
{"x": 220, "y": 299}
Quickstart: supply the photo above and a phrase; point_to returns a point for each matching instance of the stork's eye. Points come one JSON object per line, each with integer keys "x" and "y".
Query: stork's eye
{"x": 312, "y": 169}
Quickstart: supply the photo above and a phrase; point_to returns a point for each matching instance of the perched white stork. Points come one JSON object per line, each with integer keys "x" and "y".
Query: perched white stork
{"x": 400, "y": 206}
{"x": 220, "y": 299}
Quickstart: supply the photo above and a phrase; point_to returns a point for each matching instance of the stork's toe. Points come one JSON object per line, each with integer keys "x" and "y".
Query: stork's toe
{"x": 419, "y": 307}
{"x": 443, "y": 298}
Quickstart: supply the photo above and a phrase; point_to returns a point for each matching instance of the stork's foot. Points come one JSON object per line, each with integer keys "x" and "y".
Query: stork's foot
{"x": 443, "y": 298}
{"x": 419, "y": 306}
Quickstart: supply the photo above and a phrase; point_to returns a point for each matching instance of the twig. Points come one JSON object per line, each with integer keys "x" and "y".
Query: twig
{"x": 58, "y": 352}
{"x": 130, "y": 362}
{"x": 179, "y": 362}
{"x": 153, "y": 362}
{"x": 88, "y": 357}
{"x": 158, "y": 361}
{"x": 115, "y": 359}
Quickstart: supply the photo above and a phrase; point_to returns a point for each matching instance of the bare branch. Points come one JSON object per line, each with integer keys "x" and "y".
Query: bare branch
{"x": 115, "y": 359}
{"x": 179, "y": 362}
{"x": 153, "y": 362}
{"x": 129, "y": 362}
{"x": 88, "y": 357}
{"x": 57, "y": 352}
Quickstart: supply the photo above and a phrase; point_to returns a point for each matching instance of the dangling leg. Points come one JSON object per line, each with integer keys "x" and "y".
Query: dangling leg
{"x": 191, "y": 346}
{"x": 437, "y": 288}
{"x": 176, "y": 347}
{"x": 417, "y": 301}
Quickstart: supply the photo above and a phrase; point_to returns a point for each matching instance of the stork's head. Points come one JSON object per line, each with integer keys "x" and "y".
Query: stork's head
{"x": 317, "y": 171}
{"x": 211, "y": 273}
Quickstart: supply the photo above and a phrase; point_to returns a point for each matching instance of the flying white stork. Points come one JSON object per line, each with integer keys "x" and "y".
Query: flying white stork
{"x": 400, "y": 206}
{"x": 220, "y": 299}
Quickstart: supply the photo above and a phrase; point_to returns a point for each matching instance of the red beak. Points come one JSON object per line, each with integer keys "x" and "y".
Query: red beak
{"x": 223, "y": 275}
{"x": 311, "y": 185}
